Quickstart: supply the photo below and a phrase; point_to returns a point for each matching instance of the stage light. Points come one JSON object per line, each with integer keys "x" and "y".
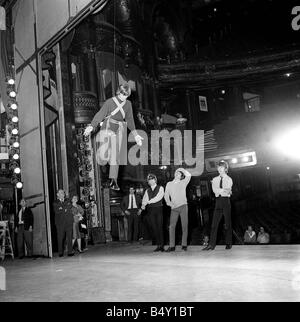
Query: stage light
{"x": 15, "y": 119}
{"x": 12, "y": 94}
{"x": 11, "y": 81}
{"x": 19, "y": 185}
{"x": 288, "y": 74}
{"x": 268, "y": 168}
{"x": 13, "y": 106}
{"x": 288, "y": 143}
{"x": 234, "y": 160}
{"x": 15, "y": 131}
{"x": 245, "y": 159}
{"x": 223, "y": 91}
{"x": 16, "y": 144}
{"x": 17, "y": 170}
{"x": 16, "y": 156}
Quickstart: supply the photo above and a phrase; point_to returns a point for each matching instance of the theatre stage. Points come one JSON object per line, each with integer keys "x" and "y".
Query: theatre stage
{"x": 132, "y": 272}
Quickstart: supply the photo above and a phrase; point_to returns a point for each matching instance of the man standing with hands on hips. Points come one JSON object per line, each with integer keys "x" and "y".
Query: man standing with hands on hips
{"x": 222, "y": 188}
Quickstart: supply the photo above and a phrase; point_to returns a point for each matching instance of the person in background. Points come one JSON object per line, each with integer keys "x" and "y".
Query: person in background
{"x": 175, "y": 197}
{"x": 263, "y": 237}
{"x": 24, "y": 229}
{"x": 77, "y": 217}
{"x": 131, "y": 206}
{"x": 222, "y": 188}
{"x": 152, "y": 199}
{"x": 250, "y": 236}
{"x": 63, "y": 222}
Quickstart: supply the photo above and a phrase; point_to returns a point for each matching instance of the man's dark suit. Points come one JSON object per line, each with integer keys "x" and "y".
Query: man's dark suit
{"x": 24, "y": 235}
{"x": 64, "y": 224}
{"x": 133, "y": 218}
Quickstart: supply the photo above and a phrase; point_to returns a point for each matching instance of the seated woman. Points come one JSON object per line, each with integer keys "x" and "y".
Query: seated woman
{"x": 250, "y": 236}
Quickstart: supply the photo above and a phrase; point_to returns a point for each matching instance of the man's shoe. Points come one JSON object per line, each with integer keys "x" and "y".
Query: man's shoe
{"x": 162, "y": 248}
{"x": 228, "y": 247}
{"x": 184, "y": 248}
{"x": 113, "y": 185}
{"x": 71, "y": 254}
{"x": 208, "y": 248}
{"x": 170, "y": 249}
{"x": 21, "y": 257}
{"x": 157, "y": 249}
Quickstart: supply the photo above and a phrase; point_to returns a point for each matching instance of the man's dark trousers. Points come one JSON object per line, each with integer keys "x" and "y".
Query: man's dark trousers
{"x": 63, "y": 231}
{"x": 27, "y": 236}
{"x": 156, "y": 220}
{"x": 222, "y": 208}
{"x": 133, "y": 224}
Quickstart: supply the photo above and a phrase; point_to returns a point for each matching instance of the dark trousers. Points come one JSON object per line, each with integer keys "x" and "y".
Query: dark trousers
{"x": 27, "y": 237}
{"x": 62, "y": 232}
{"x": 133, "y": 225}
{"x": 222, "y": 208}
{"x": 156, "y": 221}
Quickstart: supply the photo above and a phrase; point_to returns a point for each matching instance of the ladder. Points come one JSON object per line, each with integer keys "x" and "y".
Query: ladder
{"x": 5, "y": 241}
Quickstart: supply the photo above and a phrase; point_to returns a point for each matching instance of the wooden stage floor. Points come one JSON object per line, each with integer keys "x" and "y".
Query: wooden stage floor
{"x": 122, "y": 272}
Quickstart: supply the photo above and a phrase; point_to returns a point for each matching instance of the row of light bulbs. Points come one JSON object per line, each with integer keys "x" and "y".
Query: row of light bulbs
{"x": 15, "y": 131}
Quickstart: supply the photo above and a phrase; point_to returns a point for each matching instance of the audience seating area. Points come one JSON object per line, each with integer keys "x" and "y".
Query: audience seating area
{"x": 281, "y": 221}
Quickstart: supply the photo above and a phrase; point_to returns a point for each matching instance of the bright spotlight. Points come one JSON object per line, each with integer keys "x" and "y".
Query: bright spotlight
{"x": 11, "y": 81}
{"x": 16, "y": 156}
{"x": 19, "y": 185}
{"x": 15, "y": 131}
{"x": 15, "y": 119}
{"x": 17, "y": 170}
{"x": 16, "y": 144}
{"x": 245, "y": 159}
{"x": 12, "y": 94}
{"x": 288, "y": 143}
{"x": 234, "y": 160}
{"x": 13, "y": 106}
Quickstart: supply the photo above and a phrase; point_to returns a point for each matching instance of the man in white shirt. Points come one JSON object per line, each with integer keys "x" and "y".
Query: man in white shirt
{"x": 222, "y": 188}
{"x": 175, "y": 197}
{"x": 153, "y": 201}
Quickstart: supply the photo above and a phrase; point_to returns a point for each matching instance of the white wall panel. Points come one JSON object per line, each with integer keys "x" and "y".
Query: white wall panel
{"x": 28, "y": 99}
{"x": 78, "y": 5}
{"x": 23, "y": 17}
{"x": 52, "y": 16}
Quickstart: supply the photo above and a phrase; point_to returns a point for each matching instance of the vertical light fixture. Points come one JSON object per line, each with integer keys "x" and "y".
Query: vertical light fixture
{"x": 13, "y": 129}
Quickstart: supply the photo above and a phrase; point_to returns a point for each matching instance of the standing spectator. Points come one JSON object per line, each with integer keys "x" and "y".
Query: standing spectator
{"x": 175, "y": 197}
{"x": 131, "y": 206}
{"x": 63, "y": 222}
{"x": 77, "y": 217}
{"x": 222, "y": 188}
{"x": 263, "y": 237}
{"x": 153, "y": 201}
{"x": 24, "y": 228}
{"x": 250, "y": 236}
{"x": 83, "y": 225}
